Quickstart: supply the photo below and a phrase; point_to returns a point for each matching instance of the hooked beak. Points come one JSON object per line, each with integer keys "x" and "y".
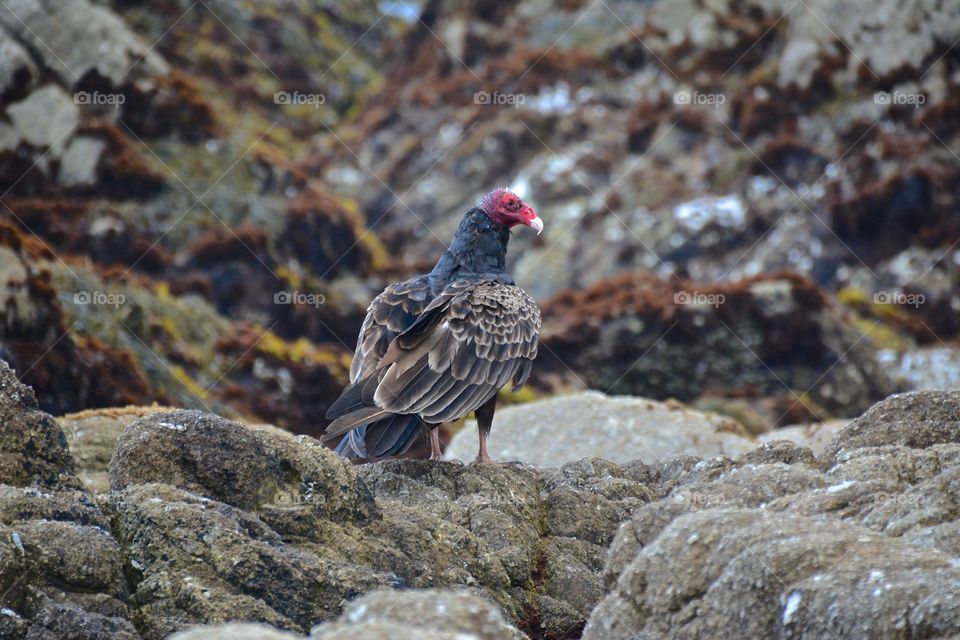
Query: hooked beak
{"x": 534, "y": 222}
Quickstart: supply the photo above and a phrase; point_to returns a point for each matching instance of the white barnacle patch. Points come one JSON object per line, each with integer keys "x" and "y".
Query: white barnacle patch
{"x": 357, "y": 614}
{"x": 173, "y": 425}
{"x": 793, "y": 603}
{"x": 840, "y": 487}
{"x": 17, "y": 542}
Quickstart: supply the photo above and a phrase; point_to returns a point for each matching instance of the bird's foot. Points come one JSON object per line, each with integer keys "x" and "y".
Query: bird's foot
{"x": 483, "y": 459}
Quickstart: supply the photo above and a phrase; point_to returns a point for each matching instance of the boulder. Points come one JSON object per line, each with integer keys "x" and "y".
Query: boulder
{"x": 428, "y": 614}
{"x": 917, "y": 420}
{"x": 61, "y": 570}
{"x": 661, "y": 338}
{"x": 744, "y": 573}
{"x": 45, "y": 118}
{"x": 816, "y": 436}
{"x": 860, "y": 541}
{"x": 234, "y": 631}
{"x": 220, "y": 521}
{"x": 551, "y": 432}
{"x": 16, "y": 66}
{"x": 92, "y": 436}
{"x": 76, "y": 37}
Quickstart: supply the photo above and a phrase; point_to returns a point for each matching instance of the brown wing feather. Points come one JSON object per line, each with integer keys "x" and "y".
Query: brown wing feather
{"x": 388, "y": 315}
{"x": 480, "y": 334}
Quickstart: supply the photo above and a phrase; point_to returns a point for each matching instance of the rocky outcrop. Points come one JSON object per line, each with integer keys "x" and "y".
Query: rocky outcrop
{"x": 284, "y": 531}
{"x": 209, "y": 520}
{"x": 692, "y": 142}
{"x": 765, "y": 336}
{"x": 421, "y": 614}
{"x": 860, "y": 542}
{"x": 206, "y": 521}
{"x": 429, "y": 614}
{"x": 816, "y": 437}
{"x": 92, "y": 436}
{"x": 105, "y": 109}
{"x": 62, "y": 573}
{"x": 177, "y": 152}
{"x": 592, "y": 425}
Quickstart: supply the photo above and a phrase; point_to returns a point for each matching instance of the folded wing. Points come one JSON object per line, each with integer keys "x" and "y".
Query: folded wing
{"x": 471, "y": 340}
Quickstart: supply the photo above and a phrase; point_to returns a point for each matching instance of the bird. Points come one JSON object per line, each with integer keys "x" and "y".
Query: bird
{"x": 433, "y": 348}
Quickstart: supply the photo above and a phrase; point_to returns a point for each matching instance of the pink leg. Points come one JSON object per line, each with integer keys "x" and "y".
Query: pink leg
{"x": 435, "y": 452}
{"x": 484, "y": 422}
{"x": 483, "y": 457}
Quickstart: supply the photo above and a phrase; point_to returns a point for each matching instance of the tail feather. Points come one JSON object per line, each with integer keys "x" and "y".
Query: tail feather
{"x": 356, "y": 396}
{"x": 350, "y": 421}
{"x": 390, "y": 436}
{"x": 366, "y": 430}
{"x": 352, "y": 445}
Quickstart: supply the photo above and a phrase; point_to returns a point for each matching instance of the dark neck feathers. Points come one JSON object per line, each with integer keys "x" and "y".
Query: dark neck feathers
{"x": 479, "y": 247}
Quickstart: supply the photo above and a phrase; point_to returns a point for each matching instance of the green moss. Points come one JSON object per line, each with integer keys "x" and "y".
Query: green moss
{"x": 852, "y": 296}
{"x": 882, "y": 335}
{"x": 188, "y": 383}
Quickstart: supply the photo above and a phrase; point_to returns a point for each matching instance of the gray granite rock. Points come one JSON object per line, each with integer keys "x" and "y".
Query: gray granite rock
{"x": 551, "y": 432}
{"x": 45, "y": 118}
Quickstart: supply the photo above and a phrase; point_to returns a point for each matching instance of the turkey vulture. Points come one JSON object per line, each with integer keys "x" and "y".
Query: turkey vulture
{"x": 438, "y": 346}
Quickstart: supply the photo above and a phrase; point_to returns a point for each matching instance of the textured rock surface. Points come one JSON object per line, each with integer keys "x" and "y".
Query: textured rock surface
{"x": 427, "y": 614}
{"x": 816, "y": 437}
{"x": 551, "y": 432}
{"x": 861, "y": 542}
{"x": 284, "y": 531}
{"x": 114, "y": 115}
{"x": 61, "y": 570}
{"x": 92, "y": 436}
{"x": 76, "y": 37}
{"x": 411, "y": 615}
{"x": 234, "y": 631}
{"x": 209, "y": 521}
{"x": 768, "y": 336}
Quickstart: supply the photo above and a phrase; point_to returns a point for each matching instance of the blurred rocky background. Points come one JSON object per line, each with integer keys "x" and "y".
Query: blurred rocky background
{"x": 750, "y": 206}
{"x": 751, "y": 212}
